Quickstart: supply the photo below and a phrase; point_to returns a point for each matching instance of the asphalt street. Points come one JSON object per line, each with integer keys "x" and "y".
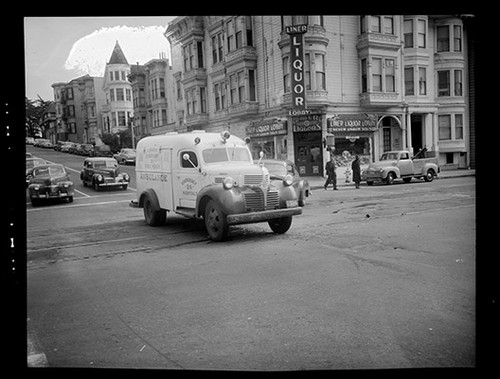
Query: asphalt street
{"x": 376, "y": 277}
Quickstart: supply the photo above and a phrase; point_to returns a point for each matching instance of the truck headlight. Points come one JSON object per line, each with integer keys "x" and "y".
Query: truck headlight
{"x": 288, "y": 180}
{"x": 228, "y": 183}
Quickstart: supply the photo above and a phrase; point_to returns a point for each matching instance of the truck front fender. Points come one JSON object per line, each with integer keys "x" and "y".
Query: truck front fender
{"x": 387, "y": 170}
{"x": 230, "y": 200}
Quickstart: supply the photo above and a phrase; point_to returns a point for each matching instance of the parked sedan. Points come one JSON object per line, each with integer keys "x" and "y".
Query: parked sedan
{"x": 31, "y": 163}
{"x": 126, "y": 156}
{"x": 103, "y": 172}
{"x": 278, "y": 169}
{"x": 50, "y": 181}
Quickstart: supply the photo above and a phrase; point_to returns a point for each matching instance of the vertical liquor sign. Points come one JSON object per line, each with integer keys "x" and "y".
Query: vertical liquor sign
{"x": 297, "y": 69}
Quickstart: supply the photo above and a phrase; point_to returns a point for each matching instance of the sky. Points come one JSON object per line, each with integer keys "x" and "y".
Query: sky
{"x": 59, "y": 49}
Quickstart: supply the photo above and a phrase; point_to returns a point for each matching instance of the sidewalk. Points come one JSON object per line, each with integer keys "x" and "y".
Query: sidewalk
{"x": 317, "y": 182}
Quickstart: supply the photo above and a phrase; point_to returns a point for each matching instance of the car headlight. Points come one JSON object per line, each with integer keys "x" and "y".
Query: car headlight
{"x": 35, "y": 187}
{"x": 126, "y": 177}
{"x": 288, "y": 180}
{"x": 99, "y": 178}
{"x": 228, "y": 183}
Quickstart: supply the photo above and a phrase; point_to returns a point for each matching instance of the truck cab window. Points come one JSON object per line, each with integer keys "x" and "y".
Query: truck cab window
{"x": 192, "y": 157}
{"x": 404, "y": 156}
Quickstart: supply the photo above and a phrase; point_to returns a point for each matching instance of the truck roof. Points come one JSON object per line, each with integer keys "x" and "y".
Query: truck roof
{"x": 195, "y": 138}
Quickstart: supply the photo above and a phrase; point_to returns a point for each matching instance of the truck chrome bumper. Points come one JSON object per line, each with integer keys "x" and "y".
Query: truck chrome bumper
{"x": 247, "y": 218}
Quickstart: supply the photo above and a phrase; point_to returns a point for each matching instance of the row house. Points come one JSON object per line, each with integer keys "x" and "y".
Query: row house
{"x": 78, "y": 106}
{"x": 153, "y": 98}
{"x": 372, "y": 83}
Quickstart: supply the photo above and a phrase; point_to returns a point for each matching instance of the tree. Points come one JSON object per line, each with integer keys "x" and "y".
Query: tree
{"x": 34, "y": 112}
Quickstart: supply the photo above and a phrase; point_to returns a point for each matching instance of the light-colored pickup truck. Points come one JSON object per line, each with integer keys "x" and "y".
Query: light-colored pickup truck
{"x": 400, "y": 164}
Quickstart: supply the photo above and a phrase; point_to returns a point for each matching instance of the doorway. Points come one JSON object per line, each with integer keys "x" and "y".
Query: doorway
{"x": 416, "y": 133}
{"x": 308, "y": 153}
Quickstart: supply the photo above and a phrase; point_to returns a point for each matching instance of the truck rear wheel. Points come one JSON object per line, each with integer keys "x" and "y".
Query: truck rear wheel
{"x": 429, "y": 175}
{"x": 153, "y": 217}
{"x": 280, "y": 225}
{"x": 215, "y": 222}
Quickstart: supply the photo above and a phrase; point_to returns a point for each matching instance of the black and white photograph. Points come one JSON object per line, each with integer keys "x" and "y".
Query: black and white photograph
{"x": 250, "y": 193}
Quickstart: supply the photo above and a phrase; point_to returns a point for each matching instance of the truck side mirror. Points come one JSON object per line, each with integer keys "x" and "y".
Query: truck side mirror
{"x": 261, "y": 155}
{"x": 185, "y": 156}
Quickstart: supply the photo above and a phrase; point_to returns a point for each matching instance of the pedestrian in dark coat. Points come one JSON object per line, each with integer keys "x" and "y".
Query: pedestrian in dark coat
{"x": 330, "y": 172}
{"x": 356, "y": 171}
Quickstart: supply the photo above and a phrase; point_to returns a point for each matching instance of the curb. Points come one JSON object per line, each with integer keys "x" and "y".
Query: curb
{"x": 343, "y": 184}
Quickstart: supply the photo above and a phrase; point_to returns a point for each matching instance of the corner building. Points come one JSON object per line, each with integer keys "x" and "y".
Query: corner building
{"x": 373, "y": 83}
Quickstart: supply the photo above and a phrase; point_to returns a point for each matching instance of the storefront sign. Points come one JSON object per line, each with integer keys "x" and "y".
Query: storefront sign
{"x": 307, "y": 123}
{"x": 297, "y": 71}
{"x": 352, "y": 123}
{"x": 267, "y": 128}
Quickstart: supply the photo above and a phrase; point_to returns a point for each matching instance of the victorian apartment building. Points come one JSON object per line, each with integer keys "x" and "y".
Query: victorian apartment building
{"x": 373, "y": 83}
{"x": 77, "y": 108}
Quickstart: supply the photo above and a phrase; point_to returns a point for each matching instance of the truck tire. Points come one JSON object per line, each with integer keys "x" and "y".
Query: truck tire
{"x": 390, "y": 178}
{"x": 429, "y": 175}
{"x": 280, "y": 225}
{"x": 152, "y": 215}
{"x": 215, "y": 222}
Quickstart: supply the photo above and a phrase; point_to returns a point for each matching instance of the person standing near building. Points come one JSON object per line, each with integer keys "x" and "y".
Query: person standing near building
{"x": 356, "y": 171}
{"x": 331, "y": 174}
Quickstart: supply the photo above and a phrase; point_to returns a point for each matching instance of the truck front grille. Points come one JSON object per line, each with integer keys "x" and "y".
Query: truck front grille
{"x": 252, "y": 180}
{"x": 255, "y": 201}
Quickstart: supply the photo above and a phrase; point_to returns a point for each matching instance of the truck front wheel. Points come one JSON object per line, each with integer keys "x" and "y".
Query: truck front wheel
{"x": 280, "y": 225}
{"x": 390, "y": 178}
{"x": 215, "y": 222}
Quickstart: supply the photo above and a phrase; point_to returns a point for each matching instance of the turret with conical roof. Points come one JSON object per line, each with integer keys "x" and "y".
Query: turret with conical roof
{"x": 118, "y": 109}
{"x": 117, "y": 57}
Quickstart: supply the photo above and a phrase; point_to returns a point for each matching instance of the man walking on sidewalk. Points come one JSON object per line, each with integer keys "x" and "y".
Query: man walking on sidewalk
{"x": 330, "y": 172}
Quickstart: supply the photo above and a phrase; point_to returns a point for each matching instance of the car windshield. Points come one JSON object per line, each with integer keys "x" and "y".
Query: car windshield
{"x": 34, "y": 162}
{"x": 277, "y": 169}
{"x": 107, "y": 164}
{"x": 223, "y": 154}
{"x": 129, "y": 152}
{"x": 48, "y": 171}
{"x": 389, "y": 156}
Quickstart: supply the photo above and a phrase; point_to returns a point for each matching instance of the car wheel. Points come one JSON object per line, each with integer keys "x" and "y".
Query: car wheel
{"x": 370, "y": 183}
{"x": 35, "y": 202}
{"x": 390, "y": 178}
{"x": 70, "y": 199}
{"x": 215, "y": 222}
{"x": 280, "y": 225}
{"x": 124, "y": 187}
{"x": 153, "y": 217}
{"x": 429, "y": 175}
{"x": 97, "y": 187}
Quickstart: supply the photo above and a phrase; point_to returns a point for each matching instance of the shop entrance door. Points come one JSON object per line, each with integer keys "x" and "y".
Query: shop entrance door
{"x": 416, "y": 133}
{"x": 308, "y": 153}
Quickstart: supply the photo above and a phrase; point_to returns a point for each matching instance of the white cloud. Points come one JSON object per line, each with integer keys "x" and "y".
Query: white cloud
{"x": 139, "y": 44}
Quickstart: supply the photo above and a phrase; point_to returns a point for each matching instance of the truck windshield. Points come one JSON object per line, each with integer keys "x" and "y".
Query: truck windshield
{"x": 222, "y": 154}
{"x": 389, "y": 156}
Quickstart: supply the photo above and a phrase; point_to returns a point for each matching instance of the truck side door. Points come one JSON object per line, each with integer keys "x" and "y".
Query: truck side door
{"x": 187, "y": 179}
{"x": 405, "y": 164}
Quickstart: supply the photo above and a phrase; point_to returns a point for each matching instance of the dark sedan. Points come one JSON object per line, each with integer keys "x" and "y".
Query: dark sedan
{"x": 125, "y": 156}
{"x": 50, "y": 181}
{"x": 279, "y": 168}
